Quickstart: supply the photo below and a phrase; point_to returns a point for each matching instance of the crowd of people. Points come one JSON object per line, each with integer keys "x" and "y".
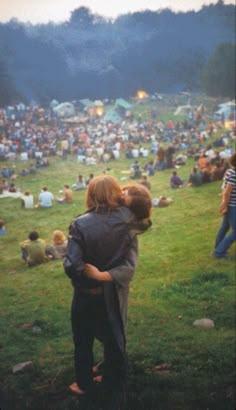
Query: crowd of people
{"x": 100, "y": 250}
{"x": 36, "y": 134}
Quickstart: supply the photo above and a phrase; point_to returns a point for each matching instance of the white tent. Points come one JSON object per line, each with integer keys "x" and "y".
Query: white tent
{"x": 53, "y": 104}
{"x": 65, "y": 109}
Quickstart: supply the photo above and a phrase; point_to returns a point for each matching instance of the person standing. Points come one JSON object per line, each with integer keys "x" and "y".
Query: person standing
{"x": 105, "y": 237}
{"x": 64, "y": 148}
{"x": 228, "y": 211}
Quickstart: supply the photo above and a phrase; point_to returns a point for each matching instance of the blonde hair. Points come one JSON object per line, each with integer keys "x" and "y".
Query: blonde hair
{"x": 104, "y": 190}
{"x": 58, "y": 237}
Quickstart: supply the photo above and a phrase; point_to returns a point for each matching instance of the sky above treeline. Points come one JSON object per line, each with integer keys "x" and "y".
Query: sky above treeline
{"x": 57, "y": 11}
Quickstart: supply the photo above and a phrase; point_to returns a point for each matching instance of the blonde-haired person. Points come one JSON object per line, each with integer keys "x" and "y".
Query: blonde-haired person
{"x": 102, "y": 239}
{"x": 59, "y": 244}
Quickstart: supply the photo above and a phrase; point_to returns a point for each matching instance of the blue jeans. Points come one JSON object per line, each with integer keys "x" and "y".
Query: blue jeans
{"x": 224, "y": 242}
{"x": 24, "y": 254}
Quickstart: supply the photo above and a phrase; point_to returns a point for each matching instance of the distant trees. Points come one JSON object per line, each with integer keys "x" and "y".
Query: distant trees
{"x": 218, "y": 77}
{"x": 6, "y": 86}
{"x": 89, "y": 56}
{"x": 81, "y": 17}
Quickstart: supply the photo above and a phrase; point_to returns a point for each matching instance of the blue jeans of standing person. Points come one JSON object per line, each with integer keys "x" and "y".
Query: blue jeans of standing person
{"x": 224, "y": 242}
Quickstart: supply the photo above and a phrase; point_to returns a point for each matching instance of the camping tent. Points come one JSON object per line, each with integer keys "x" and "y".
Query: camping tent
{"x": 112, "y": 116}
{"x": 53, "y": 104}
{"x": 225, "y": 110}
{"x": 65, "y": 109}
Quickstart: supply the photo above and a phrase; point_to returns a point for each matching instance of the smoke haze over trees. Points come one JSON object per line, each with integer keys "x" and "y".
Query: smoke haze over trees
{"x": 92, "y": 57}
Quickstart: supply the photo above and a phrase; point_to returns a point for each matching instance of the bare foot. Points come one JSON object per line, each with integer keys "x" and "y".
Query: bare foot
{"x": 76, "y": 389}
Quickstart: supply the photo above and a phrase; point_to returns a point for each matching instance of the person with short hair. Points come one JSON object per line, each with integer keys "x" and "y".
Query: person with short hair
{"x": 33, "y": 250}
{"x": 46, "y": 198}
{"x": 175, "y": 181}
{"x": 67, "y": 195}
{"x": 195, "y": 178}
{"x": 228, "y": 211}
{"x": 90, "y": 177}
{"x": 12, "y": 188}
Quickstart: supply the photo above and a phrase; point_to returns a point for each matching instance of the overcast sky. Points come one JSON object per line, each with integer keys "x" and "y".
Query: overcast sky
{"x": 42, "y": 11}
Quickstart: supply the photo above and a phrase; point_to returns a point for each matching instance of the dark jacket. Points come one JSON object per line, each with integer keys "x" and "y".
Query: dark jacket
{"x": 101, "y": 238}
{"x": 106, "y": 239}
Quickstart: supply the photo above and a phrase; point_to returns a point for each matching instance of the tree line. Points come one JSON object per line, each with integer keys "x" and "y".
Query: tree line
{"x": 90, "y": 56}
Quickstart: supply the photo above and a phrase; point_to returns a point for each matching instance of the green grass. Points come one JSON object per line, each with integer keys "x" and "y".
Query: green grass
{"x": 177, "y": 281}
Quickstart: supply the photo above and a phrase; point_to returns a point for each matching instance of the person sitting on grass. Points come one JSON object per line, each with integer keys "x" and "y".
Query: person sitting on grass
{"x": 2, "y": 228}
{"x": 176, "y": 181}
{"x": 27, "y": 200}
{"x": 59, "y": 244}
{"x": 12, "y": 188}
{"x": 45, "y": 198}
{"x": 195, "y": 178}
{"x": 67, "y": 197}
{"x": 34, "y": 250}
{"x": 80, "y": 183}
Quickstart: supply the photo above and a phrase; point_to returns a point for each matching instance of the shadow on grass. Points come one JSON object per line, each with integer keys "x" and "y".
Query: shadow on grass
{"x": 146, "y": 391}
{"x": 172, "y": 392}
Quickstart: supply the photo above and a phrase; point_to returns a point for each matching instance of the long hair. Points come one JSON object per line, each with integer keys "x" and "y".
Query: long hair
{"x": 58, "y": 237}
{"x": 104, "y": 191}
{"x": 140, "y": 200}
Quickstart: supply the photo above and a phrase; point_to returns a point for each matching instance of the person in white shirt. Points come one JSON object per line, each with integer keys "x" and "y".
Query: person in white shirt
{"x": 45, "y": 198}
{"x": 27, "y": 200}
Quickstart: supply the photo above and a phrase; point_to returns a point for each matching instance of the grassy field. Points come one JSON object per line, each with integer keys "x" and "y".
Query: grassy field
{"x": 177, "y": 281}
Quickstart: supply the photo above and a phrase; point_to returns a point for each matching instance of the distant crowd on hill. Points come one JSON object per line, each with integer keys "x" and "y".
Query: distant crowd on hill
{"x": 29, "y": 134}
{"x": 37, "y": 134}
